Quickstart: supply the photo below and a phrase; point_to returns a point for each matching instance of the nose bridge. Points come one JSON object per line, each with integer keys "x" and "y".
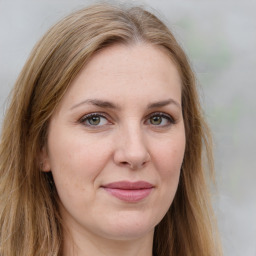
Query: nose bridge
{"x": 134, "y": 138}
{"x": 132, "y": 147}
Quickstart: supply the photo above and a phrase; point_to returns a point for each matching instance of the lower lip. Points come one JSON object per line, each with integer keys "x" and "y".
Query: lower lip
{"x": 129, "y": 195}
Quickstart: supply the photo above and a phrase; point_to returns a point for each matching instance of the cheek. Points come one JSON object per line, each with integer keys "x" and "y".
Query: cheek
{"x": 76, "y": 160}
{"x": 69, "y": 149}
{"x": 74, "y": 166}
{"x": 170, "y": 156}
{"x": 169, "y": 160}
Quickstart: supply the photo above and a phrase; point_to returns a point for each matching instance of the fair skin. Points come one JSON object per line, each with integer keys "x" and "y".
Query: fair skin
{"x": 115, "y": 147}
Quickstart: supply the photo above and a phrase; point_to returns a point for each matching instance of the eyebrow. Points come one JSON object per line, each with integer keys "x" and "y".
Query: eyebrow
{"x": 107, "y": 104}
{"x": 98, "y": 103}
{"x": 163, "y": 103}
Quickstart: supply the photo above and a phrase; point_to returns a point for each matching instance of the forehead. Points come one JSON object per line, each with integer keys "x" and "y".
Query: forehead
{"x": 137, "y": 59}
{"x": 119, "y": 71}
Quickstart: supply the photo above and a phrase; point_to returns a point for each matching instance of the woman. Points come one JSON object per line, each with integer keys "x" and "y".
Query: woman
{"x": 101, "y": 148}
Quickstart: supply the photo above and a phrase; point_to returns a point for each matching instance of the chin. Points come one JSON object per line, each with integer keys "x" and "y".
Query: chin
{"x": 129, "y": 228}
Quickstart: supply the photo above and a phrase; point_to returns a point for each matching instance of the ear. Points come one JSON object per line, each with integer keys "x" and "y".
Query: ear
{"x": 44, "y": 161}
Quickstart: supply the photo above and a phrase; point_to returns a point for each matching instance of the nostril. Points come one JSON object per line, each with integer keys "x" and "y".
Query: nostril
{"x": 131, "y": 158}
{"x": 133, "y": 166}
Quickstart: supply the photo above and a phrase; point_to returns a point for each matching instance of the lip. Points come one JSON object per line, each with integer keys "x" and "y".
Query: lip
{"x": 129, "y": 191}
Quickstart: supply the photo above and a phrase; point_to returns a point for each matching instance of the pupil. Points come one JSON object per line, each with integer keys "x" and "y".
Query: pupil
{"x": 156, "y": 120}
{"x": 94, "y": 120}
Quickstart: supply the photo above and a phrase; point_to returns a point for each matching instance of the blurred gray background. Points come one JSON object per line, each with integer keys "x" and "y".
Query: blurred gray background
{"x": 220, "y": 39}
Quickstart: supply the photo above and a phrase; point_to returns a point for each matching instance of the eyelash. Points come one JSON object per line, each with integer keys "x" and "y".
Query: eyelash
{"x": 168, "y": 117}
{"x": 87, "y": 117}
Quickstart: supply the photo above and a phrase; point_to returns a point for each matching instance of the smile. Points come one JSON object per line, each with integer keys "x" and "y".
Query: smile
{"x": 129, "y": 191}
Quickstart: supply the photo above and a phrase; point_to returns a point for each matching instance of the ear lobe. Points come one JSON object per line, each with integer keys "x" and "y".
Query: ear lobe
{"x": 44, "y": 163}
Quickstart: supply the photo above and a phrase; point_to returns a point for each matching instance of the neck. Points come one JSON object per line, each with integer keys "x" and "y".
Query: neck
{"x": 93, "y": 245}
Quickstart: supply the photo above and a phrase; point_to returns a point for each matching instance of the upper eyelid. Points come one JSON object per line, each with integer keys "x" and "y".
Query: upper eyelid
{"x": 163, "y": 114}
{"x": 94, "y": 114}
{"x": 159, "y": 113}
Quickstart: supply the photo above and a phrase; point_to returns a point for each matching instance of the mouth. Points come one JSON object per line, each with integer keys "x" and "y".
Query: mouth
{"x": 129, "y": 191}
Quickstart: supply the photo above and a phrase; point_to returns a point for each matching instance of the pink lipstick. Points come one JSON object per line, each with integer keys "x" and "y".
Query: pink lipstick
{"x": 129, "y": 191}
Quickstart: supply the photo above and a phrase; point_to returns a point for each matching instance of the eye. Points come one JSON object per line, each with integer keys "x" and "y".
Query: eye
{"x": 160, "y": 119}
{"x": 94, "y": 119}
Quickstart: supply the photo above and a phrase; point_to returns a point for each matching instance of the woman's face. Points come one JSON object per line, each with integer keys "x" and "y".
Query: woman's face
{"x": 116, "y": 143}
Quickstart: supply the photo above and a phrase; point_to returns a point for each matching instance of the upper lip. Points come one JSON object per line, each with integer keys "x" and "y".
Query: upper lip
{"x": 128, "y": 185}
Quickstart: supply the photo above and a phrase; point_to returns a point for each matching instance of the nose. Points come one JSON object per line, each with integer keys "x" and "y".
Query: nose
{"x": 131, "y": 149}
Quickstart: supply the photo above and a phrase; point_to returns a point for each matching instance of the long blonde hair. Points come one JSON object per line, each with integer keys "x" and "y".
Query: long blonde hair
{"x": 30, "y": 223}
